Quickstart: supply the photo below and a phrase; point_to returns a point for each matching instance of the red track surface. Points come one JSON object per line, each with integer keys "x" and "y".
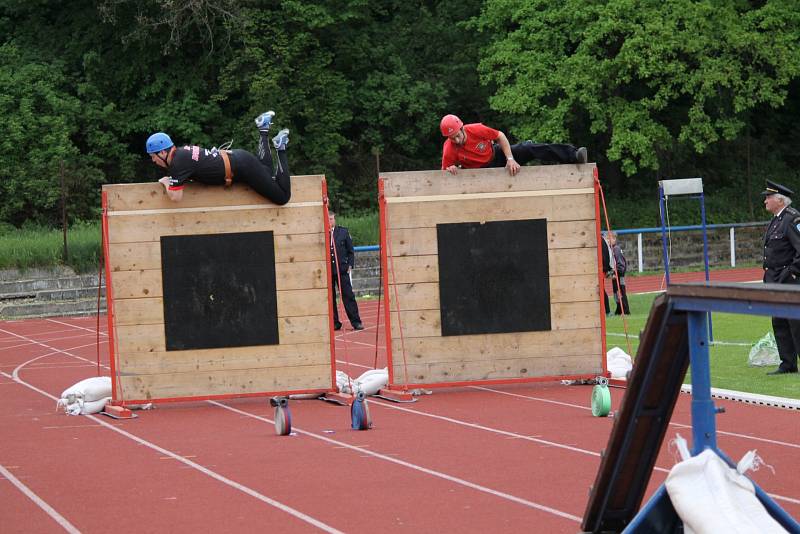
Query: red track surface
{"x": 500, "y": 459}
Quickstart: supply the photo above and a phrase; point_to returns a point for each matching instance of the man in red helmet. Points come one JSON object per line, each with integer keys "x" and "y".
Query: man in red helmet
{"x": 472, "y": 146}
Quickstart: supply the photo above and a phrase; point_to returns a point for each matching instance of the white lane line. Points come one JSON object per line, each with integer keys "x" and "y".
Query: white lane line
{"x": 49, "y": 510}
{"x": 745, "y": 436}
{"x": 415, "y": 467}
{"x": 534, "y": 439}
{"x": 679, "y": 425}
{"x": 92, "y": 330}
{"x": 29, "y": 343}
{"x": 518, "y": 436}
{"x": 635, "y": 338}
{"x": 216, "y": 476}
{"x": 55, "y": 350}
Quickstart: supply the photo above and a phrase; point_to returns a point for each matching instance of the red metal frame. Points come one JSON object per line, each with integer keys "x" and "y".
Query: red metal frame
{"x": 115, "y": 389}
{"x": 383, "y": 208}
{"x": 600, "y": 274}
{"x": 112, "y": 356}
{"x": 382, "y": 215}
{"x": 226, "y": 396}
{"x": 331, "y": 331}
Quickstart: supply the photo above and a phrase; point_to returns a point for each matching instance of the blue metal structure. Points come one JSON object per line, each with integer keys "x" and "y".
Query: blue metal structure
{"x": 676, "y": 332}
{"x": 662, "y": 202}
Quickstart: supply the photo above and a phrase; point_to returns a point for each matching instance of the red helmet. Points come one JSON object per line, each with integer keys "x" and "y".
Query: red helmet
{"x": 450, "y": 124}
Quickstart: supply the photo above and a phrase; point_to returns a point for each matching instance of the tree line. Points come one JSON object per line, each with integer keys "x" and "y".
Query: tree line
{"x": 655, "y": 90}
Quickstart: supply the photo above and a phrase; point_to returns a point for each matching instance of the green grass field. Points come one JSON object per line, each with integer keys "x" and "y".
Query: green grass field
{"x": 733, "y": 334}
{"x": 27, "y": 248}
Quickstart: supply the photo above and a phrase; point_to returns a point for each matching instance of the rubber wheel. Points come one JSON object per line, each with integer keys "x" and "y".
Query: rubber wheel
{"x": 601, "y": 401}
{"x": 359, "y": 413}
{"x": 283, "y": 420}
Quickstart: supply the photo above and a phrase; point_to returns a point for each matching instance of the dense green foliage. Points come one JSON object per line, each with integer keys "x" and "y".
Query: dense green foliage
{"x": 667, "y": 89}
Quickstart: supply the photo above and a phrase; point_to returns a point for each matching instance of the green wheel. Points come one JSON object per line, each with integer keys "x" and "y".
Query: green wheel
{"x": 601, "y": 401}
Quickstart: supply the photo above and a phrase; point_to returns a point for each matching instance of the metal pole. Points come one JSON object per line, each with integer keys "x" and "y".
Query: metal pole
{"x": 641, "y": 251}
{"x": 64, "y": 210}
{"x": 704, "y": 431}
{"x": 663, "y": 231}
{"x": 705, "y": 256}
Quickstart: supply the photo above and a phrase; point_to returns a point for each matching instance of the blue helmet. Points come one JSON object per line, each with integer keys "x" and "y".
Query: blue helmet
{"x": 158, "y": 142}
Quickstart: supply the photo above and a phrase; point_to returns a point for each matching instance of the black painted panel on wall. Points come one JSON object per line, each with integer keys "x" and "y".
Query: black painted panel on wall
{"x": 219, "y": 290}
{"x": 494, "y": 277}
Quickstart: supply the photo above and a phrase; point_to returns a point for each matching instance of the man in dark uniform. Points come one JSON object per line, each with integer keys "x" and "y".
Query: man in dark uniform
{"x": 223, "y": 167}
{"x": 782, "y": 266}
{"x": 345, "y": 254}
{"x": 608, "y": 270}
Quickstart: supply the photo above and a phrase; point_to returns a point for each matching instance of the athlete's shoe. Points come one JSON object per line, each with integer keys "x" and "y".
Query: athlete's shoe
{"x": 264, "y": 120}
{"x": 281, "y": 140}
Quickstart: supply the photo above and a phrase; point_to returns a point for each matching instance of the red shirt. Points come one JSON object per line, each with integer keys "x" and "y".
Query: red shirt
{"x": 477, "y": 150}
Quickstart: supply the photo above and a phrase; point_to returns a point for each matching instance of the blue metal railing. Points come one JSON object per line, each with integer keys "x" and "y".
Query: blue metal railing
{"x": 641, "y": 231}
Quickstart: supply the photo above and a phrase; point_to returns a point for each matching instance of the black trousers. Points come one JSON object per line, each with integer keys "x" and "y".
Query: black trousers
{"x": 787, "y": 331}
{"x": 348, "y": 297}
{"x": 620, "y": 296}
{"x": 529, "y": 151}
{"x": 258, "y": 172}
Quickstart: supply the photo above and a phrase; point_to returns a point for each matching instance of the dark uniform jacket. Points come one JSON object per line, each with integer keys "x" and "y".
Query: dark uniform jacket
{"x": 344, "y": 248}
{"x": 782, "y": 248}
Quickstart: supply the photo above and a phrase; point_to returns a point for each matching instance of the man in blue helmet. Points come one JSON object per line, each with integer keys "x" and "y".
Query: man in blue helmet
{"x": 223, "y": 167}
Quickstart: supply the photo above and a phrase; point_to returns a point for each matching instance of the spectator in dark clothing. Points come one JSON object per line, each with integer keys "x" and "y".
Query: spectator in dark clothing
{"x": 782, "y": 266}
{"x": 607, "y": 254}
{"x": 342, "y": 262}
{"x": 620, "y": 294}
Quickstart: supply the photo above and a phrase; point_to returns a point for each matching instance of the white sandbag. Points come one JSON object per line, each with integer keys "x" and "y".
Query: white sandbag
{"x": 89, "y": 390}
{"x": 365, "y": 374}
{"x": 764, "y": 352}
{"x": 82, "y": 407}
{"x": 710, "y": 497}
{"x": 372, "y": 381}
{"x": 343, "y": 382}
{"x": 619, "y": 362}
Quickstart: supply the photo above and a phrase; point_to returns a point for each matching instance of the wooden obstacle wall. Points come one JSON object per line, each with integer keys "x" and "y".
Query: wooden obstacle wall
{"x": 140, "y": 216}
{"x": 415, "y": 209}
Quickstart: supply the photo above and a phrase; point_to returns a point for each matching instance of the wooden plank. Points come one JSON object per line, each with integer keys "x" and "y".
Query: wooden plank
{"x": 563, "y": 316}
{"x": 227, "y": 382}
{"x": 291, "y": 331}
{"x": 560, "y": 234}
{"x": 291, "y": 303}
{"x": 147, "y": 284}
{"x": 281, "y": 220}
{"x": 427, "y": 214}
{"x": 145, "y": 311}
{"x": 425, "y": 295}
{"x": 147, "y": 254}
{"x": 552, "y": 344}
{"x": 467, "y": 181}
{"x": 444, "y": 372}
{"x": 575, "y": 288}
{"x": 560, "y": 193}
{"x": 420, "y": 269}
{"x": 233, "y": 358}
{"x": 573, "y": 261}
{"x": 151, "y": 195}
{"x": 136, "y": 284}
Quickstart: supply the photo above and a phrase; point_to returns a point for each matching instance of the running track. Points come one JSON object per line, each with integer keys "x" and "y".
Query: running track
{"x": 500, "y": 459}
